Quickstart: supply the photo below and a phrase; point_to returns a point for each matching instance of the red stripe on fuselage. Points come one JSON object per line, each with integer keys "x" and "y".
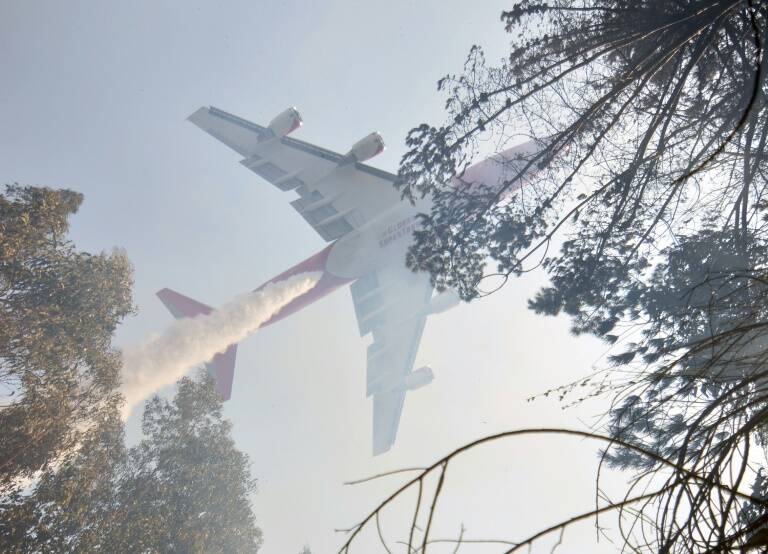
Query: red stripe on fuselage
{"x": 327, "y": 284}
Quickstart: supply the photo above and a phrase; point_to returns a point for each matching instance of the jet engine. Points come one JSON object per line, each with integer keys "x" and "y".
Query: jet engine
{"x": 419, "y": 378}
{"x": 365, "y": 148}
{"x": 444, "y": 301}
{"x": 285, "y": 122}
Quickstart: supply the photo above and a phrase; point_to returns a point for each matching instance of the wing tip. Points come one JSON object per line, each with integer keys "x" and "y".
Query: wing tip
{"x": 196, "y": 116}
{"x": 166, "y": 296}
{"x": 381, "y": 446}
{"x": 378, "y": 449}
{"x": 222, "y": 369}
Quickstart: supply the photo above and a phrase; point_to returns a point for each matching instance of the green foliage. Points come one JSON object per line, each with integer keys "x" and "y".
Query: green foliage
{"x": 58, "y": 310}
{"x": 650, "y": 175}
{"x": 187, "y": 480}
{"x": 183, "y": 488}
{"x": 67, "y": 483}
{"x": 73, "y": 507}
{"x": 639, "y": 108}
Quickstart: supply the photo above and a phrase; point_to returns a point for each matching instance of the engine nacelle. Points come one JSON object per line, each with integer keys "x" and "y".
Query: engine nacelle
{"x": 285, "y": 122}
{"x": 444, "y": 301}
{"x": 365, "y": 148}
{"x": 419, "y": 378}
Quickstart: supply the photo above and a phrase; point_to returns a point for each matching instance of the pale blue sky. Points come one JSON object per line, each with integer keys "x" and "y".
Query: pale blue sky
{"x": 94, "y": 97}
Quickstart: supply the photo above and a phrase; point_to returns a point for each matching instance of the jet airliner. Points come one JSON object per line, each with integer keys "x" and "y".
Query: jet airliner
{"x": 355, "y": 208}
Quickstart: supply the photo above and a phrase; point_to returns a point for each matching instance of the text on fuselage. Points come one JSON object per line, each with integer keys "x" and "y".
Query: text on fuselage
{"x": 402, "y": 228}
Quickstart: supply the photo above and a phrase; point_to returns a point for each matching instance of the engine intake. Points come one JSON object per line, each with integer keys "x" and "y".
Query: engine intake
{"x": 419, "y": 378}
{"x": 285, "y": 122}
{"x": 364, "y": 149}
{"x": 444, "y": 301}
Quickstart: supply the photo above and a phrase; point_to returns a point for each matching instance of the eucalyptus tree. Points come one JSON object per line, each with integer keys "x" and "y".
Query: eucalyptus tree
{"x": 186, "y": 487}
{"x": 58, "y": 310}
{"x": 67, "y": 482}
{"x": 72, "y": 507}
{"x": 650, "y": 177}
{"x": 183, "y": 488}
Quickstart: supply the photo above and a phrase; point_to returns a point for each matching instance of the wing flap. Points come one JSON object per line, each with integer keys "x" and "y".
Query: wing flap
{"x": 334, "y": 198}
{"x": 391, "y": 305}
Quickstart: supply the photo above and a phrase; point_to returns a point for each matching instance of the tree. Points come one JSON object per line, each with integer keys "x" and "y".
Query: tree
{"x": 651, "y": 125}
{"x": 58, "y": 310}
{"x": 183, "y": 488}
{"x": 72, "y": 507}
{"x": 67, "y": 483}
{"x": 187, "y": 480}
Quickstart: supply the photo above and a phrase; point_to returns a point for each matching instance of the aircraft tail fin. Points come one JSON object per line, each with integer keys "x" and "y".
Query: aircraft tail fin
{"x": 222, "y": 366}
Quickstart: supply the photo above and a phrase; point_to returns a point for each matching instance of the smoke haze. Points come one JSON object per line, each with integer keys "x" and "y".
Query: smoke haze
{"x": 161, "y": 360}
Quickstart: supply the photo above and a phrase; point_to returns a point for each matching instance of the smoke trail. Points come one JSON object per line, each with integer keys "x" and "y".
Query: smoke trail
{"x": 162, "y": 360}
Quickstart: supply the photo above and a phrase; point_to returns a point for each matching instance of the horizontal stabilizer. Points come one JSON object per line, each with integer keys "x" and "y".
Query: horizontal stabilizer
{"x": 222, "y": 366}
{"x": 182, "y": 306}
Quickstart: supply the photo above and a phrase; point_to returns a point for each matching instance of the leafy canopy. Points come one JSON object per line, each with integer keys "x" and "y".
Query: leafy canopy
{"x": 649, "y": 177}
{"x": 184, "y": 488}
{"x": 58, "y": 310}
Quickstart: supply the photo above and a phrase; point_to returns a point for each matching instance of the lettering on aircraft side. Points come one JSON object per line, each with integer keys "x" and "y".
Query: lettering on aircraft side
{"x": 402, "y": 228}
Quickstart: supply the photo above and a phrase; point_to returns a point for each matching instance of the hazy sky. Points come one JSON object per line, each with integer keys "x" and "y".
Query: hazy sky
{"x": 94, "y": 97}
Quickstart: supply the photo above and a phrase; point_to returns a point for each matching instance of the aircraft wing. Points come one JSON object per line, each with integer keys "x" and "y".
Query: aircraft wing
{"x": 392, "y": 305}
{"x": 333, "y": 197}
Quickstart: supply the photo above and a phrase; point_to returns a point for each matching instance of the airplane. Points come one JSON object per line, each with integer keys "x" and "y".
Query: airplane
{"x": 355, "y": 208}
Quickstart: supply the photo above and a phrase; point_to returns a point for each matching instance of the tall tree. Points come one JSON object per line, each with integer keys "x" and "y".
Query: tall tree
{"x": 74, "y": 506}
{"x": 58, "y": 310}
{"x": 186, "y": 480}
{"x": 651, "y": 124}
{"x": 67, "y": 483}
{"x": 183, "y": 488}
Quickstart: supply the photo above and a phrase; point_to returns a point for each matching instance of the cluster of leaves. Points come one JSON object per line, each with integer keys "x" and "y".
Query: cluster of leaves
{"x": 67, "y": 483}
{"x": 183, "y": 488}
{"x": 650, "y": 124}
{"x": 650, "y": 117}
{"x": 58, "y": 310}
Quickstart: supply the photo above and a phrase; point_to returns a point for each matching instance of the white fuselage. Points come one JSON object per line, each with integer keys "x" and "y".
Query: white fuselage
{"x": 381, "y": 241}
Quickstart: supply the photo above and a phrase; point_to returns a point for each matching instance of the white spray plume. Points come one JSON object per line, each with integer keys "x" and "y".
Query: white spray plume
{"x": 161, "y": 360}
